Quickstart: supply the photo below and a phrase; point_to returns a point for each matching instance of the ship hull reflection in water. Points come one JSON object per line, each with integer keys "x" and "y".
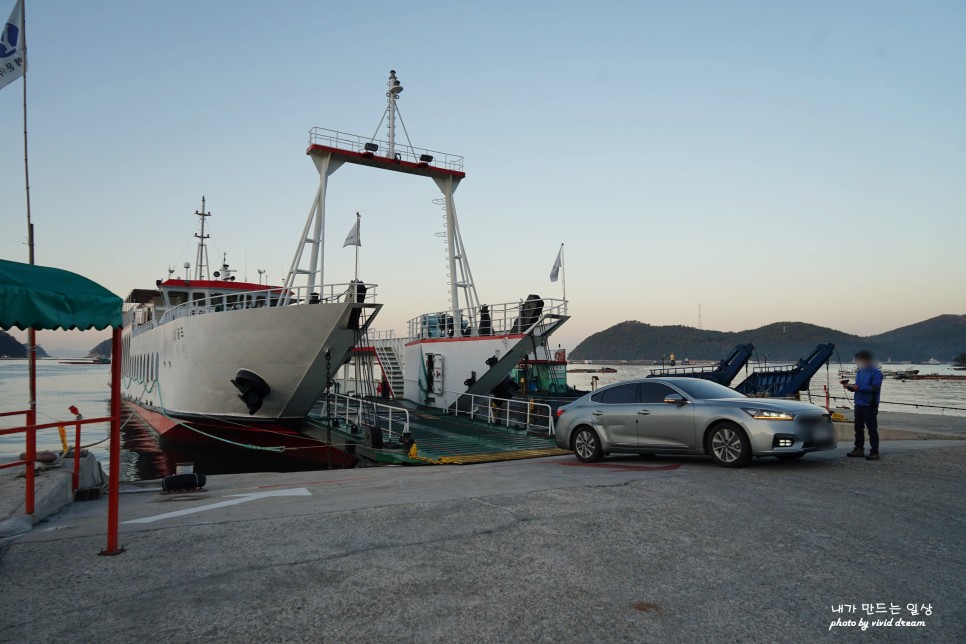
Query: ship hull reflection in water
{"x": 149, "y": 455}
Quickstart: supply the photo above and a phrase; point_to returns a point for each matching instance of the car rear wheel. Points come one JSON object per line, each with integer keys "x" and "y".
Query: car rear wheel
{"x": 789, "y": 457}
{"x": 728, "y": 446}
{"x": 587, "y": 446}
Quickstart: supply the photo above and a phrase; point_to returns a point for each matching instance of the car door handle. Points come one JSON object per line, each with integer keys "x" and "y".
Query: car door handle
{"x": 596, "y": 413}
{"x": 643, "y": 412}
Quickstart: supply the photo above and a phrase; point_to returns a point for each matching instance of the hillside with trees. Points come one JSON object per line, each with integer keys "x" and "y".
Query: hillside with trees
{"x": 10, "y": 347}
{"x": 102, "y": 350}
{"x": 942, "y": 337}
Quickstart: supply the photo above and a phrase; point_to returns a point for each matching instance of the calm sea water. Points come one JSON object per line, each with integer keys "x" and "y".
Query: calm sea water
{"x": 939, "y": 393}
{"x": 143, "y": 457}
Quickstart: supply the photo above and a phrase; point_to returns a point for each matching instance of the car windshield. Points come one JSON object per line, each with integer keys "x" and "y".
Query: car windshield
{"x": 706, "y": 390}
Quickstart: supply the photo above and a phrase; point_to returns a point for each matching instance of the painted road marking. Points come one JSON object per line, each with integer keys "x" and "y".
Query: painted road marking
{"x": 238, "y": 499}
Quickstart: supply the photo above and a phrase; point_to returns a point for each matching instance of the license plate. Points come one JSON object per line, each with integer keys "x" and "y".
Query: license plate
{"x": 822, "y": 434}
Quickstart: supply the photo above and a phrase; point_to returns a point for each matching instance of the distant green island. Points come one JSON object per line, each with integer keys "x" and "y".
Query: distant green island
{"x": 10, "y": 347}
{"x": 102, "y": 350}
{"x": 942, "y": 337}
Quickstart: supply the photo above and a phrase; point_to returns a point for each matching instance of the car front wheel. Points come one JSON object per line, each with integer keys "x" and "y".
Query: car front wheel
{"x": 728, "y": 446}
{"x": 587, "y": 446}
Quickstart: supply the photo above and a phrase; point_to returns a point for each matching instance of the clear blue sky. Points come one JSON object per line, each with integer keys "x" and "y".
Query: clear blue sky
{"x": 767, "y": 160}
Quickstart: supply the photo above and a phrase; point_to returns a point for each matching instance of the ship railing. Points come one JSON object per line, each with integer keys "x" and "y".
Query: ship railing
{"x": 364, "y": 144}
{"x": 515, "y": 413}
{"x": 362, "y": 412}
{"x": 269, "y": 298}
{"x": 776, "y": 368}
{"x": 381, "y": 336}
{"x": 670, "y": 371}
{"x": 509, "y": 318}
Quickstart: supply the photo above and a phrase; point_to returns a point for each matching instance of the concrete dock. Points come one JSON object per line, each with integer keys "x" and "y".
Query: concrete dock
{"x": 631, "y": 549}
{"x": 897, "y": 425}
{"x": 52, "y": 489}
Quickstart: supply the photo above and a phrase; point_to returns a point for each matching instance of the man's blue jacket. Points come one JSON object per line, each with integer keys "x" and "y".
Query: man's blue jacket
{"x": 868, "y": 384}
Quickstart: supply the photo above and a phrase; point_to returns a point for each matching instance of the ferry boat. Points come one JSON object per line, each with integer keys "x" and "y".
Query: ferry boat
{"x": 210, "y": 359}
{"x": 464, "y": 352}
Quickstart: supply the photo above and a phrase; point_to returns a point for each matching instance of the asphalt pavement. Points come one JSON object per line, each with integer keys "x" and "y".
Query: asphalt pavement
{"x": 640, "y": 549}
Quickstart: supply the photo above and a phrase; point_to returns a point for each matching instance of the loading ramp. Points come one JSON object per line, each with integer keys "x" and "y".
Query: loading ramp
{"x": 786, "y": 381}
{"x": 440, "y": 437}
{"x": 722, "y": 373}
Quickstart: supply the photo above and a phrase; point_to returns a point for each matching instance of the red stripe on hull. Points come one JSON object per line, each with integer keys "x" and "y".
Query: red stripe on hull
{"x": 215, "y": 433}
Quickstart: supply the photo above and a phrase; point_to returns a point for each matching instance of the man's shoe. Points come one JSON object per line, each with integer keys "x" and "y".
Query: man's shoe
{"x": 858, "y": 452}
{"x": 874, "y": 456}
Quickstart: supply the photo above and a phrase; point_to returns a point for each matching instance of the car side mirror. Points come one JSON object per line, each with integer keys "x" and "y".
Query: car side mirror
{"x": 675, "y": 399}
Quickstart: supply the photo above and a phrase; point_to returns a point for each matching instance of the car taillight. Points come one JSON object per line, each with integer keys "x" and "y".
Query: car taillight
{"x": 560, "y": 411}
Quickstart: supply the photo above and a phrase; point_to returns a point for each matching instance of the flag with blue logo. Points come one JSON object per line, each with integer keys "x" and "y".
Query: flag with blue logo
{"x": 13, "y": 50}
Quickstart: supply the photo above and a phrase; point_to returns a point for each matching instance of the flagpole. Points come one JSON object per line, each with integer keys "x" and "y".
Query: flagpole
{"x": 563, "y": 276}
{"x": 26, "y": 167}
{"x": 31, "y": 333}
{"x": 359, "y": 234}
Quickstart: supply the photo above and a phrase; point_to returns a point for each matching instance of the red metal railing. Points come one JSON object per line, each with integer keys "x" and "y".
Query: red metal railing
{"x": 31, "y": 428}
{"x": 31, "y": 432}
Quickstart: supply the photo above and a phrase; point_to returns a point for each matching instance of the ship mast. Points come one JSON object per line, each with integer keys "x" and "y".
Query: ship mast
{"x": 395, "y": 87}
{"x": 201, "y": 260}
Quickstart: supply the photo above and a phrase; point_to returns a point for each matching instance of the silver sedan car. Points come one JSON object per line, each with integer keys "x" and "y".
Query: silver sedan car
{"x": 690, "y": 416}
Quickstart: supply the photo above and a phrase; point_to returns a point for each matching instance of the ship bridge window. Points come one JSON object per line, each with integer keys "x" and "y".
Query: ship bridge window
{"x": 218, "y": 301}
{"x": 232, "y": 301}
{"x": 177, "y": 297}
{"x": 198, "y": 297}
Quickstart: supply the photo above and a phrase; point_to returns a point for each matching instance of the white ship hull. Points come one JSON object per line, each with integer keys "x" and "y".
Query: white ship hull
{"x": 184, "y": 367}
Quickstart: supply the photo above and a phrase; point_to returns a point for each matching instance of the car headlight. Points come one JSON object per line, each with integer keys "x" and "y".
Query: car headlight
{"x": 767, "y": 414}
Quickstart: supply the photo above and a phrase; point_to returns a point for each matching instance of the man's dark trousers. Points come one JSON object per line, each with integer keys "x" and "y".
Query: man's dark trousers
{"x": 867, "y": 417}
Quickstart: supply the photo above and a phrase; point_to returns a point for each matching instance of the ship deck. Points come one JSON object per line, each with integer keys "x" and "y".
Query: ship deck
{"x": 440, "y": 438}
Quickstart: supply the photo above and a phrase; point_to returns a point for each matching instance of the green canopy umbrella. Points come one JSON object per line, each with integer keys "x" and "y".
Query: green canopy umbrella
{"x": 40, "y": 297}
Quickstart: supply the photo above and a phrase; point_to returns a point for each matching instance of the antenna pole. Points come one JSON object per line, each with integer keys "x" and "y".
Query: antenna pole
{"x": 201, "y": 261}
{"x": 395, "y": 87}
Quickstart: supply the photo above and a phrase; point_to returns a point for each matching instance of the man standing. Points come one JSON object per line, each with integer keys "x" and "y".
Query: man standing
{"x": 867, "y": 388}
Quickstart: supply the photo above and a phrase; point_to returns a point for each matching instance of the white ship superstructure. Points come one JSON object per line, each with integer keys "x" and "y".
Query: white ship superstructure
{"x": 469, "y": 347}
{"x": 222, "y": 349}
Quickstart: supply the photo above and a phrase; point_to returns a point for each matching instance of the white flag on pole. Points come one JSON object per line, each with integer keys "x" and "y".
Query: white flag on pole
{"x": 555, "y": 271}
{"x": 13, "y": 51}
{"x": 353, "y": 238}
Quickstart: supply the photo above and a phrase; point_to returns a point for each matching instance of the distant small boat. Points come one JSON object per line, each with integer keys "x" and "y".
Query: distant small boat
{"x": 932, "y": 361}
{"x": 600, "y": 370}
{"x": 903, "y": 374}
{"x": 98, "y": 360}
